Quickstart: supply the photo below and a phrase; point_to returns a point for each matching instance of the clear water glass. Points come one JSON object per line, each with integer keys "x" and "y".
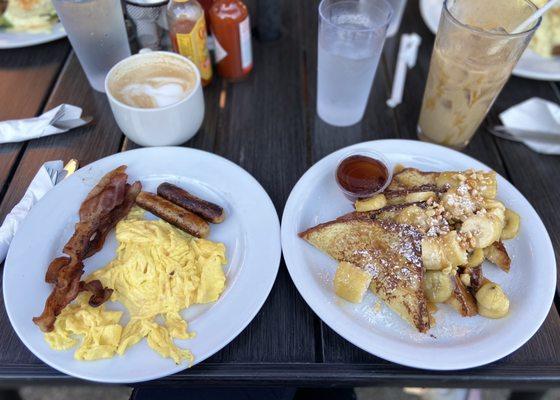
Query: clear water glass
{"x": 97, "y": 33}
{"x": 398, "y": 10}
{"x": 351, "y": 37}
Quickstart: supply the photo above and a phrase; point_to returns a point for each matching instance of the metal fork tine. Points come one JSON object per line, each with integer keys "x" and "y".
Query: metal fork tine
{"x": 53, "y": 174}
{"x": 54, "y": 178}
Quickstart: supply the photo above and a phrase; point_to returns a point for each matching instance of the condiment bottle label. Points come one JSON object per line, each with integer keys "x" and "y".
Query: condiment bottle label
{"x": 219, "y": 52}
{"x": 245, "y": 42}
{"x": 193, "y": 46}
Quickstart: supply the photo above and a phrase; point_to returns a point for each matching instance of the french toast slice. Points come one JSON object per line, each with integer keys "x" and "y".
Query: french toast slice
{"x": 409, "y": 178}
{"x": 461, "y": 299}
{"x": 419, "y": 215}
{"x": 390, "y": 252}
{"x": 414, "y": 179}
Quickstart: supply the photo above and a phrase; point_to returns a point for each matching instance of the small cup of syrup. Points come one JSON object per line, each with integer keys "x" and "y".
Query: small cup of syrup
{"x": 363, "y": 174}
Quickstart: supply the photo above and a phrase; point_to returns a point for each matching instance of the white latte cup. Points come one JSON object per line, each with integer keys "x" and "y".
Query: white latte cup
{"x": 161, "y": 126}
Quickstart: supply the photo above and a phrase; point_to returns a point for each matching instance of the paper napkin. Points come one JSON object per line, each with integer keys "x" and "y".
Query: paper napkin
{"x": 535, "y": 114}
{"x": 25, "y": 129}
{"x": 40, "y": 185}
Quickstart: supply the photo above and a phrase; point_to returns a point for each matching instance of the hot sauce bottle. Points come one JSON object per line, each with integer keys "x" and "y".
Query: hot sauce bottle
{"x": 230, "y": 26}
{"x": 187, "y": 29}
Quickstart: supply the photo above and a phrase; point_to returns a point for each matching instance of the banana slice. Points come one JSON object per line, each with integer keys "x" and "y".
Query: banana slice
{"x": 484, "y": 229}
{"x": 373, "y": 203}
{"x": 452, "y": 179}
{"x": 492, "y": 301}
{"x": 475, "y": 258}
{"x": 487, "y": 185}
{"x": 454, "y": 254}
{"x": 417, "y": 197}
{"x": 499, "y": 216}
{"x": 466, "y": 279}
{"x": 511, "y": 228}
{"x": 398, "y": 169}
{"x": 437, "y": 286}
{"x": 415, "y": 216}
{"x": 490, "y": 204}
{"x": 432, "y": 256}
{"x": 443, "y": 252}
{"x": 351, "y": 282}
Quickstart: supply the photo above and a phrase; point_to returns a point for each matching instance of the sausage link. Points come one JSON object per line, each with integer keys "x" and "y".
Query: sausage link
{"x": 175, "y": 215}
{"x": 207, "y": 210}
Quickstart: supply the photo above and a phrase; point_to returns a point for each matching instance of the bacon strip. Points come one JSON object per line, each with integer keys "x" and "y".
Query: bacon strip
{"x": 106, "y": 204}
{"x": 111, "y": 220}
{"x": 54, "y": 268}
{"x": 99, "y": 294}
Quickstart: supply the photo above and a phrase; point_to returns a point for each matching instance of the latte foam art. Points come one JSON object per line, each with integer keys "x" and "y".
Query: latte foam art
{"x": 156, "y": 92}
{"x": 153, "y": 81}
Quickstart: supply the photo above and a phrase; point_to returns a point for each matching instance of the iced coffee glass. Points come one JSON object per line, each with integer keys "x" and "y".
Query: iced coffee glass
{"x": 473, "y": 57}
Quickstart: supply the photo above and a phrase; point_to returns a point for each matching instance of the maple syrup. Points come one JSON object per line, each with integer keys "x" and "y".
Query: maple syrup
{"x": 360, "y": 176}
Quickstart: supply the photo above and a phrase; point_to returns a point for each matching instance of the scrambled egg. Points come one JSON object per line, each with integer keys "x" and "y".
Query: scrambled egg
{"x": 158, "y": 271}
{"x": 29, "y": 15}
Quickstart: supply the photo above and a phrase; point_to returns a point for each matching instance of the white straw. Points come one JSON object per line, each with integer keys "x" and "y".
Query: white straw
{"x": 408, "y": 52}
{"x": 537, "y": 14}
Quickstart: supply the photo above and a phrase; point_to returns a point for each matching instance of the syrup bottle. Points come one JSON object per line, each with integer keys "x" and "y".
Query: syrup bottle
{"x": 206, "y": 4}
{"x": 231, "y": 28}
{"x": 187, "y": 29}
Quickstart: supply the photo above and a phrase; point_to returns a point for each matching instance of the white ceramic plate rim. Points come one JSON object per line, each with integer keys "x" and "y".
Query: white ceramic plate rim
{"x": 269, "y": 251}
{"x": 15, "y": 40}
{"x": 345, "y": 326}
{"x": 523, "y": 68}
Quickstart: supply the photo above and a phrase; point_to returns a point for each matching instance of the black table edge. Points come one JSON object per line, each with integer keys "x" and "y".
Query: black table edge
{"x": 316, "y": 374}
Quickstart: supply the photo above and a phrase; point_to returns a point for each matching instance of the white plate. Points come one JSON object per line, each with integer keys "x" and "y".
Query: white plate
{"x": 531, "y": 65}
{"x": 459, "y": 342}
{"x": 250, "y": 232}
{"x": 12, "y": 40}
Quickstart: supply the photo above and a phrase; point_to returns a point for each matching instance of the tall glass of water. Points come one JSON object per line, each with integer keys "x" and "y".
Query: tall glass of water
{"x": 98, "y": 35}
{"x": 398, "y": 7}
{"x": 351, "y": 37}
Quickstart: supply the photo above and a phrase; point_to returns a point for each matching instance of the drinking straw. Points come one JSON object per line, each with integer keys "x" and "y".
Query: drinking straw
{"x": 536, "y": 15}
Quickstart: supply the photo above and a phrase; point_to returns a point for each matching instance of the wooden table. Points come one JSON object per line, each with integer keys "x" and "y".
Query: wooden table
{"x": 268, "y": 125}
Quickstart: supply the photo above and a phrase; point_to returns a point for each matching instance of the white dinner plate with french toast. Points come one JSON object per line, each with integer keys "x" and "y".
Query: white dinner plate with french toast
{"x": 166, "y": 289}
{"x": 12, "y": 40}
{"x": 406, "y": 274}
{"x": 531, "y": 65}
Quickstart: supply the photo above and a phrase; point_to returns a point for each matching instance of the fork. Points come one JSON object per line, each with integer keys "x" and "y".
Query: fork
{"x": 53, "y": 174}
{"x": 72, "y": 123}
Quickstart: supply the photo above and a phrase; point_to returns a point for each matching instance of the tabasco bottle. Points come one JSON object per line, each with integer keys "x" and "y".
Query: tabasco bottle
{"x": 187, "y": 28}
{"x": 230, "y": 26}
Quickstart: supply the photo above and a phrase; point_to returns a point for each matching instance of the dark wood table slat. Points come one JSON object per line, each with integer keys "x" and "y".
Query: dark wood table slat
{"x": 25, "y": 81}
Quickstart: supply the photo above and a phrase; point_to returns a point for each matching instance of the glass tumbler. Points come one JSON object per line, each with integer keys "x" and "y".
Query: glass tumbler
{"x": 98, "y": 35}
{"x": 351, "y": 37}
{"x": 472, "y": 59}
